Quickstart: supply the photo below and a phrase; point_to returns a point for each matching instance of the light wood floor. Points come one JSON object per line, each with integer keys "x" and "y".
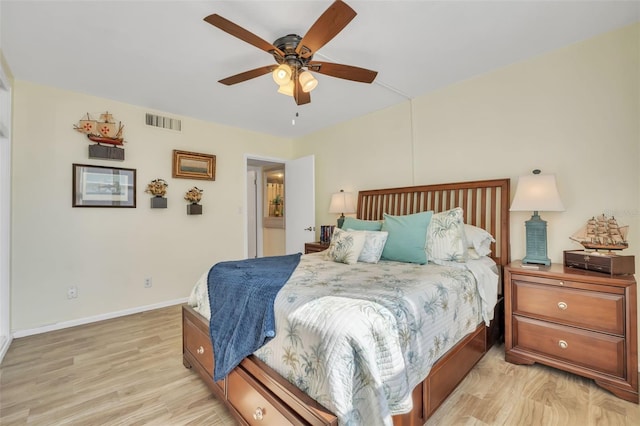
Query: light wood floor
{"x": 128, "y": 371}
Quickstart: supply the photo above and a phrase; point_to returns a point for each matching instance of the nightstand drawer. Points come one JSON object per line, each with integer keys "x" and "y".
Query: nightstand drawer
{"x": 315, "y": 247}
{"x": 582, "y": 308}
{"x": 600, "y": 352}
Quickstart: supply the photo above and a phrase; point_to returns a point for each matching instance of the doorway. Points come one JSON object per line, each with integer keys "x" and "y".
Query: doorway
{"x": 265, "y": 208}
{"x": 280, "y": 219}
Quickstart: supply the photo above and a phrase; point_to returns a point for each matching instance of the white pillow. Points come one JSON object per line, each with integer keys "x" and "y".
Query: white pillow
{"x": 373, "y": 245}
{"x": 479, "y": 240}
{"x": 446, "y": 238}
{"x": 345, "y": 247}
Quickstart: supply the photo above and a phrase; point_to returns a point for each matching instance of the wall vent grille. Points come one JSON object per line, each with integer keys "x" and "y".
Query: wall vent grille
{"x": 163, "y": 122}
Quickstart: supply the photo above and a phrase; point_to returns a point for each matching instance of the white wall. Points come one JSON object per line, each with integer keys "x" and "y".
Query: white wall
{"x": 107, "y": 252}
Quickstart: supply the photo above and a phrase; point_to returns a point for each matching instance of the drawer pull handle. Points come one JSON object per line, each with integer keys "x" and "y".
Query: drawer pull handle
{"x": 561, "y": 282}
{"x": 200, "y": 350}
{"x": 562, "y": 305}
{"x": 563, "y": 344}
{"x": 259, "y": 414}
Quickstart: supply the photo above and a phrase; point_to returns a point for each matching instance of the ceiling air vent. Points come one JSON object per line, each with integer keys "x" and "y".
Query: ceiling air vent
{"x": 163, "y": 122}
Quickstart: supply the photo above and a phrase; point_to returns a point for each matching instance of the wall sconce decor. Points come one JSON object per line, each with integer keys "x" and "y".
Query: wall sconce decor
{"x": 157, "y": 188}
{"x": 194, "y": 195}
{"x": 103, "y": 131}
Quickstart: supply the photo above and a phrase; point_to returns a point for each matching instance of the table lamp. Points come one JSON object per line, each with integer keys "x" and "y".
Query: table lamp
{"x": 536, "y": 193}
{"x": 342, "y": 202}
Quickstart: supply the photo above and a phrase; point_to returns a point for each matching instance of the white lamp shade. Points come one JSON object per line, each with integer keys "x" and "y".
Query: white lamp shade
{"x": 282, "y": 74}
{"x": 342, "y": 202}
{"x": 537, "y": 193}
{"x": 286, "y": 89}
{"x": 307, "y": 81}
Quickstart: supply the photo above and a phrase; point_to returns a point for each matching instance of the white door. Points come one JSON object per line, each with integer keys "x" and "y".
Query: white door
{"x": 299, "y": 203}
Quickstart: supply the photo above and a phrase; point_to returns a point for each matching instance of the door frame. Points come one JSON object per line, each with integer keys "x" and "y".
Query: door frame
{"x": 5, "y": 216}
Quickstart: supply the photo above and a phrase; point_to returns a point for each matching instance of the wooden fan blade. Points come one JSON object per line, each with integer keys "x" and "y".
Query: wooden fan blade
{"x": 247, "y": 75}
{"x": 239, "y": 32}
{"x": 300, "y": 96}
{"x": 328, "y": 25}
{"x": 346, "y": 72}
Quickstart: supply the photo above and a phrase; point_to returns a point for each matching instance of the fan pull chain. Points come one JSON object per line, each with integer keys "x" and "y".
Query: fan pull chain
{"x": 293, "y": 120}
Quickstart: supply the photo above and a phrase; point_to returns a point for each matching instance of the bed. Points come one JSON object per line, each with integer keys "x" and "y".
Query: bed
{"x": 257, "y": 394}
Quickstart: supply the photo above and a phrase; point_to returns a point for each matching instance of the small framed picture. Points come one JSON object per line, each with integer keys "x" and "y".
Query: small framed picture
{"x": 100, "y": 186}
{"x": 192, "y": 165}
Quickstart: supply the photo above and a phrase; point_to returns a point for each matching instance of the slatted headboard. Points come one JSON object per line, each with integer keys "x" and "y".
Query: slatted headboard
{"x": 485, "y": 204}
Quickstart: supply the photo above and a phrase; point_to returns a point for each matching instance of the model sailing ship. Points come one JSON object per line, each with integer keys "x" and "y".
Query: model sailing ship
{"x": 104, "y": 131}
{"x": 602, "y": 233}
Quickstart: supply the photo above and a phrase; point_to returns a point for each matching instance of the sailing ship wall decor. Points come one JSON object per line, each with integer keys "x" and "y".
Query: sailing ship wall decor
{"x": 103, "y": 131}
{"x": 602, "y": 233}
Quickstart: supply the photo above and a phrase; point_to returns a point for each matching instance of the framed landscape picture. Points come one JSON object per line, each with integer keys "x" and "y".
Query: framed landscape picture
{"x": 100, "y": 186}
{"x": 192, "y": 165}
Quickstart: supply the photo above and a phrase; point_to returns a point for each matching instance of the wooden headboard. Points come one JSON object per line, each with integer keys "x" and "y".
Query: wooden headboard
{"x": 485, "y": 204}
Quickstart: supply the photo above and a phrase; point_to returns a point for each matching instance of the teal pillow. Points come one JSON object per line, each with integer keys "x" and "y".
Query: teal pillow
{"x": 407, "y": 237}
{"x": 361, "y": 225}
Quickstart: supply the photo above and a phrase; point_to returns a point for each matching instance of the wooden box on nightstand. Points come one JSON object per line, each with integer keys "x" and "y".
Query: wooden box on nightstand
{"x": 579, "y": 321}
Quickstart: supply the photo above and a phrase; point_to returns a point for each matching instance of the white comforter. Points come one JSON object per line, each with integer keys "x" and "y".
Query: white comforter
{"x": 358, "y": 338}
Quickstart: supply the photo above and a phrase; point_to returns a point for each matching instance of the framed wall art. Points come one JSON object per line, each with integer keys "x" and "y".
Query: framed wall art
{"x": 100, "y": 186}
{"x": 192, "y": 165}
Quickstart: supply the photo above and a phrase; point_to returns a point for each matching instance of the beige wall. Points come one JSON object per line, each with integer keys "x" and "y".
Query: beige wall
{"x": 573, "y": 112}
{"x": 107, "y": 252}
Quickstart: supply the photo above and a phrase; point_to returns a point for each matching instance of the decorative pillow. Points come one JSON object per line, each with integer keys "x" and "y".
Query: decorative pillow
{"x": 345, "y": 247}
{"x": 478, "y": 239}
{"x": 407, "y": 237}
{"x": 445, "y": 237}
{"x": 373, "y": 245}
{"x": 361, "y": 225}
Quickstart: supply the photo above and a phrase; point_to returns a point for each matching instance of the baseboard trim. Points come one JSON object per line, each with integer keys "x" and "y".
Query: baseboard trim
{"x": 5, "y": 342}
{"x": 95, "y": 318}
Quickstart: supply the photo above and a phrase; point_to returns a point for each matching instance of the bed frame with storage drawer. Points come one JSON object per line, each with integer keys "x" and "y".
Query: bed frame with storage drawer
{"x": 257, "y": 395}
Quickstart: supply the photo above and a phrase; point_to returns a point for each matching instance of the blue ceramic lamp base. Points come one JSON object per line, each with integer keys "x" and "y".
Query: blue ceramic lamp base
{"x": 536, "y": 235}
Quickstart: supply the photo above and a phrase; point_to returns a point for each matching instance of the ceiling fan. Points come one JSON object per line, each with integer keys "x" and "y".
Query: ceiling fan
{"x": 293, "y": 54}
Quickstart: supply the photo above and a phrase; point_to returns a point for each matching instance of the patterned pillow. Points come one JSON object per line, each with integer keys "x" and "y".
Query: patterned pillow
{"x": 345, "y": 246}
{"x": 445, "y": 236}
{"x": 373, "y": 245}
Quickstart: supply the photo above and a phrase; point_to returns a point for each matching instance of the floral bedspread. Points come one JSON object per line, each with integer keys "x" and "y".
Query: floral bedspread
{"x": 358, "y": 338}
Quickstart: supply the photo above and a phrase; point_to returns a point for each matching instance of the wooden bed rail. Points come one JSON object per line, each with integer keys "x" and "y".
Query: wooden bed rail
{"x": 485, "y": 204}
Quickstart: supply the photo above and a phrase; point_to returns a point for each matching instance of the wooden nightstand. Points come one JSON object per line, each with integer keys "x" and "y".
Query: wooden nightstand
{"x": 579, "y": 321}
{"x": 315, "y": 247}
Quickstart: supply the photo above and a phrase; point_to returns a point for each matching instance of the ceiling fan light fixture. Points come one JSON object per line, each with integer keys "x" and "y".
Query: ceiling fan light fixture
{"x": 307, "y": 81}
{"x": 282, "y": 74}
{"x": 287, "y": 88}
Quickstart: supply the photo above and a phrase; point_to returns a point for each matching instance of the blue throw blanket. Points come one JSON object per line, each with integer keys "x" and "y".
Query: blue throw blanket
{"x": 241, "y": 296}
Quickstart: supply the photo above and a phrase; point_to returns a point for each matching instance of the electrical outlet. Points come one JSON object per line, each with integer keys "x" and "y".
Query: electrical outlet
{"x": 72, "y": 292}
{"x": 147, "y": 282}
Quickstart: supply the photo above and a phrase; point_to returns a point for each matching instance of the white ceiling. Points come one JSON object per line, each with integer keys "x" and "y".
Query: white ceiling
{"x": 161, "y": 54}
